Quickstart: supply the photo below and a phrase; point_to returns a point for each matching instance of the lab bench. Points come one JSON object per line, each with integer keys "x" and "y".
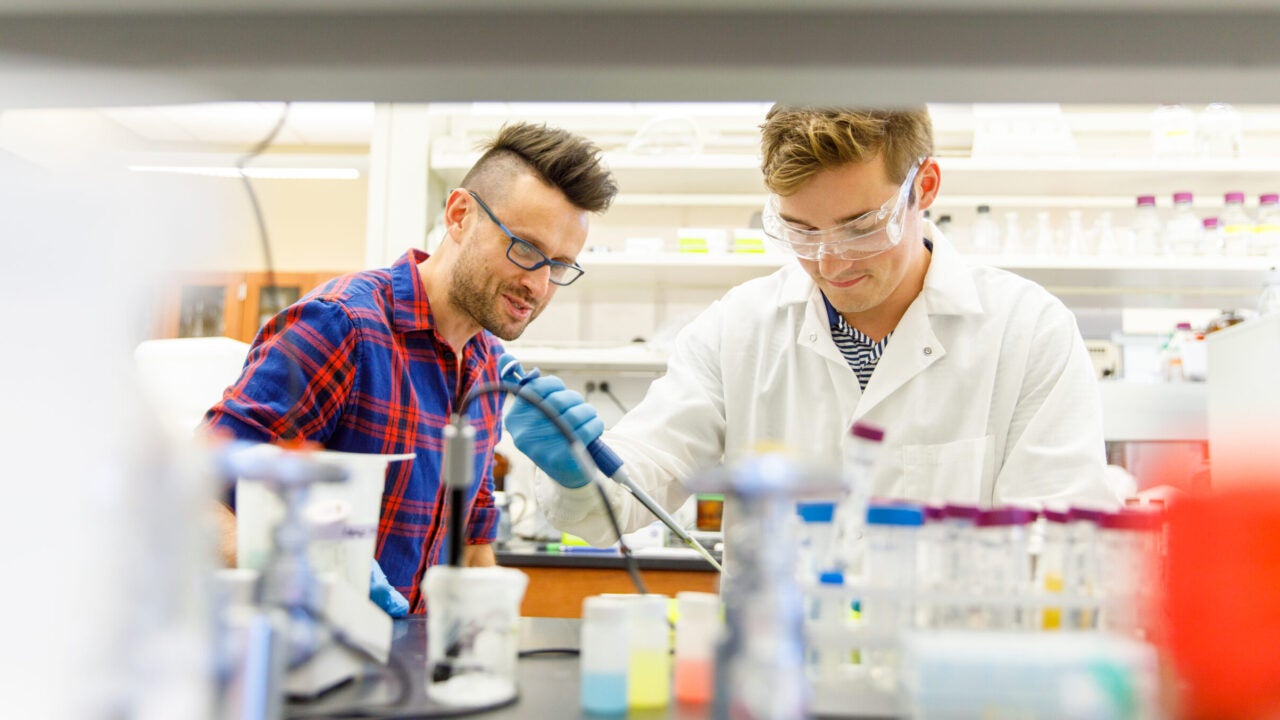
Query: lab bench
{"x": 559, "y": 581}
{"x": 548, "y": 683}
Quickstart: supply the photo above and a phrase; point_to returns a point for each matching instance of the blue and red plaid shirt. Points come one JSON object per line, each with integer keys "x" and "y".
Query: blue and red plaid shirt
{"x": 358, "y": 366}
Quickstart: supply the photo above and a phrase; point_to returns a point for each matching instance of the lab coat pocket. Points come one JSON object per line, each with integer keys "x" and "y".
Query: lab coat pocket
{"x": 958, "y": 471}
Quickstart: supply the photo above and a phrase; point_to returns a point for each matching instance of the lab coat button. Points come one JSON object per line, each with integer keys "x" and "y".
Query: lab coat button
{"x": 928, "y": 350}
{"x": 813, "y": 337}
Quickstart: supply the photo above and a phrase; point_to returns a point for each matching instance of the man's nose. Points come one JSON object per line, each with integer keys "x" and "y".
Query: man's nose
{"x": 831, "y": 265}
{"x": 537, "y": 282}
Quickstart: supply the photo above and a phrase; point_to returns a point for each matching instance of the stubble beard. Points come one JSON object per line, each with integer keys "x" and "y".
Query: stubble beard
{"x": 483, "y": 304}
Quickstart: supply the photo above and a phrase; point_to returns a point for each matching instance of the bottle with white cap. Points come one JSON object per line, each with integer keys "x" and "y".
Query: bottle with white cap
{"x": 697, "y": 631}
{"x": 649, "y": 673}
{"x": 604, "y": 655}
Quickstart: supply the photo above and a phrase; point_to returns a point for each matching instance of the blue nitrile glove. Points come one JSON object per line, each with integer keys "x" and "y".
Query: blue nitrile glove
{"x": 539, "y": 439}
{"x": 386, "y": 597}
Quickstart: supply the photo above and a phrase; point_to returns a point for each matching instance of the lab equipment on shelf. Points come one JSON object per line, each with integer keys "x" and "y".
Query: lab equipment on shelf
{"x": 1266, "y": 231}
{"x": 1236, "y": 225}
{"x": 1146, "y": 227}
{"x": 1182, "y": 232}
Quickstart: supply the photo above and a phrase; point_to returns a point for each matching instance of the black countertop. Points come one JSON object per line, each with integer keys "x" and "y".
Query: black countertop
{"x": 530, "y": 556}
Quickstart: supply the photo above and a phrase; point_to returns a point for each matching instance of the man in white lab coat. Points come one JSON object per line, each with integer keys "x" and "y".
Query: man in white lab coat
{"x": 979, "y": 378}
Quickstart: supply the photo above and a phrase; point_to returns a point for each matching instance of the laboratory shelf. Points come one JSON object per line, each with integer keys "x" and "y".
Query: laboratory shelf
{"x": 712, "y": 270}
{"x": 1176, "y": 282}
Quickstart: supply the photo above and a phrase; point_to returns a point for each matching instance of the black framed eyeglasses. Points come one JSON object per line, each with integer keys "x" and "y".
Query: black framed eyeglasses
{"x": 527, "y": 256}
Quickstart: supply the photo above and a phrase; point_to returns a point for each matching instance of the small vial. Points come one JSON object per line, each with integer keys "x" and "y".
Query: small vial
{"x": 605, "y": 655}
{"x": 697, "y": 631}
{"x": 817, "y": 531}
{"x": 649, "y": 679}
{"x": 1082, "y": 574}
{"x": 861, "y": 455}
{"x": 931, "y": 565}
{"x": 1127, "y": 538}
{"x": 1051, "y": 566}
{"x": 1002, "y": 536}
{"x": 957, "y": 572}
{"x": 892, "y": 532}
{"x": 829, "y": 609}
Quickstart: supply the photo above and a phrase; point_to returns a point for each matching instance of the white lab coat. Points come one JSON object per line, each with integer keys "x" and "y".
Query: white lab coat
{"x": 985, "y": 391}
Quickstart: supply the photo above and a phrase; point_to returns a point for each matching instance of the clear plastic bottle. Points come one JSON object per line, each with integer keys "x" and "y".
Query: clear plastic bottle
{"x": 1077, "y": 238}
{"x": 861, "y": 455}
{"x": 1171, "y": 353}
{"x": 944, "y": 224}
{"x": 1182, "y": 232}
{"x": 1219, "y": 131}
{"x": 892, "y": 535}
{"x": 1126, "y": 538}
{"x": 958, "y": 571}
{"x": 697, "y": 631}
{"x": 1146, "y": 228}
{"x": 1082, "y": 573}
{"x": 1106, "y": 243}
{"x": 1237, "y": 226}
{"x": 817, "y": 534}
{"x": 1269, "y": 300}
{"x": 931, "y": 571}
{"x": 1173, "y": 132}
{"x": 1014, "y": 243}
{"x": 1266, "y": 231}
{"x": 986, "y": 234}
{"x": 829, "y": 610}
{"x": 1002, "y": 535}
{"x": 1051, "y": 566}
{"x": 1211, "y": 237}
{"x": 1045, "y": 243}
{"x": 649, "y": 670}
{"x": 889, "y": 604}
{"x": 605, "y": 655}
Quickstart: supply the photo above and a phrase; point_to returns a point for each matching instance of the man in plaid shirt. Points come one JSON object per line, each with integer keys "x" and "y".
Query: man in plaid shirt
{"x": 376, "y": 361}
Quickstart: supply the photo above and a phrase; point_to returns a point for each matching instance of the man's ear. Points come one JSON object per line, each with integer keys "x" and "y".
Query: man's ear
{"x": 929, "y": 179}
{"x": 455, "y": 213}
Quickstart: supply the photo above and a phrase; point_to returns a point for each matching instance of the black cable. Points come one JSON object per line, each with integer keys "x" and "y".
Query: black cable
{"x": 549, "y": 651}
{"x": 604, "y": 388}
{"x": 257, "y": 206}
{"x": 529, "y": 396}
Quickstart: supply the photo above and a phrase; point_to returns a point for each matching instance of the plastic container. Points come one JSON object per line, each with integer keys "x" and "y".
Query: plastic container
{"x": 1077, "y": 238}
{"x": 1146, "y": 227}
{"x": 1219, "y": 131}
{"x": 817, "y": 532}
{"x": 959, "y": 570}
{"x": 1082, "y": 574}
{"x": 1266, "y": 231}
{"x": 1051, "y": 564}
{"x": 697, "y": 631}
{"x": 1237, "y": 226}
{"x": 1211, "y": 237}
{"x": 861, "y": 455}
{"x": 1106, "y": 244}
{"x": 1014, "y": 243}
{"x": 1269, "y": 300}
{"x": 605, "y": 655}
{"x": 892, "y": 537}
{"x": 1182, "y": 232}
{"x": 1044, "y": 241}
{"x": 1173, "y": 132}
{"x": 1127, "y": 538}
{"x": 986, "y": 234}
{"x": 931, "y": 573}
{"x": 829, "y": 609}
{"x": 1004, "y": 565}
{"x": 649, "y": 669}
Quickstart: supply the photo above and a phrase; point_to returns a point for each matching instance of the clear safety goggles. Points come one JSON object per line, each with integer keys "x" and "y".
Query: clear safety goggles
{"x": 868, "y": 234}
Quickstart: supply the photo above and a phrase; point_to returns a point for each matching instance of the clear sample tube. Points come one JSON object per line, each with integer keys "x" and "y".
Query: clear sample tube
{"x": 1051, "y": 565}
{"x": 931, "y": 573}
{"x": 649, "y": 676}
{"x": 817, "y": 532}
{"x": 1005, "y": 565}
{"x": 958, "y": 571}
{"x": 605, "y": 655}
{"x": 1082, "y": 574}
{"x": 697, "y": 631}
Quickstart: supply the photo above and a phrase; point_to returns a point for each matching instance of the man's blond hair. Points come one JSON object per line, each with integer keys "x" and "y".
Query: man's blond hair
{"x": 798, "y": 143}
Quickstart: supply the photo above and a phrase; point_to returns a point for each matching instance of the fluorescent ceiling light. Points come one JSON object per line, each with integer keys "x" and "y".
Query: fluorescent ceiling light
{"x": 264, "y": 173}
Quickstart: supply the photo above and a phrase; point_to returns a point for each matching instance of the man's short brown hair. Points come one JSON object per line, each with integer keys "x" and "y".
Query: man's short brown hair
{"x": 558, "y": 157}
{"x": 798, "y": 143}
